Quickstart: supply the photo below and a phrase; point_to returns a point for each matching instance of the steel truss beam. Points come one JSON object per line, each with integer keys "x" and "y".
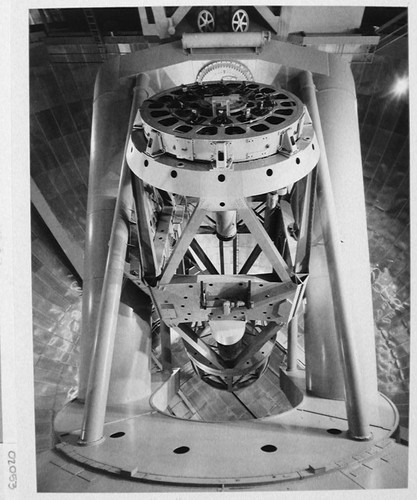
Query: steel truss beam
{"x": 183, "y": 243}
{"x": 201, "y": 254}
{"x": 250, "y": 261}
{"x": 265, "y": 242}
{"x": 302, "y": 255}
{"x": 261, "y": 339}
{"x": 147, "y": 253}
{"x": 191, "y": 338}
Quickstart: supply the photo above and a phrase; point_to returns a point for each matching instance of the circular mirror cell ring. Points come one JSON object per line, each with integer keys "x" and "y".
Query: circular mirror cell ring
{"x": 238, "y": 111}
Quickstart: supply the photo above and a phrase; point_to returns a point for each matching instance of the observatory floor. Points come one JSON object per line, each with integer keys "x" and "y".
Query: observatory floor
{"x": 197, "y": 400}
{"x": 304, "y": 443}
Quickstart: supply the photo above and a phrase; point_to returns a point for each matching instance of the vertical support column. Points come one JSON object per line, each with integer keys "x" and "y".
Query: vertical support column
{"x": 226, "y": 225}
{"x": 130, "y": 377}
{"x": 102, "y": 354}
{"x": 110, "y": 114}
{"x": 235, "y": 254}
{"x": 221, "y": 256}
{"x": 166, "y": 355}
{"x": 352, "y": 329}
{"x": 292, "y": 344}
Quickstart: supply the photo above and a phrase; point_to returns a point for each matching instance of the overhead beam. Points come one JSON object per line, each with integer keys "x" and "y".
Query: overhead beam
{"x": 269, "y": 17}
{"x": 179, "y": 14}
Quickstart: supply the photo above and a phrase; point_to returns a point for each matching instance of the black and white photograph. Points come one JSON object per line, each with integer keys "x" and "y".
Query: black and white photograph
{"x": 206, "y": 250}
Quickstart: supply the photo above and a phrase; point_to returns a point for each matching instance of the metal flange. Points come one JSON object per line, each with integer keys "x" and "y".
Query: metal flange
{"x": 254, "y": 120}
{"x": 222, "y": 141}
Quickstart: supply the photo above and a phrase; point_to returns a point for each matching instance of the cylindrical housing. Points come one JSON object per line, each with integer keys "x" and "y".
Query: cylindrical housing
{"x": 345, "y": 262}
{"x": 104, "y": 359}
{"x": 292, "y": 343}
{"x": 111, "y": 111}
{"x": 226, "y": 225}
{"x": 324, "y": 374}
{"x": 227, "y": 332}
{"x": 218, "y": 40}
{"x": 229, "y": 352}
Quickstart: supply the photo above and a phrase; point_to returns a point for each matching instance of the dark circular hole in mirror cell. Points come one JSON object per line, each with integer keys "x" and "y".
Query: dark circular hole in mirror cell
{"x": 234, "y": 130}
{"x": 168, "y": 122}
{"x": 274, "y": 120}
{"x": 207, "y": 131}
{"x": 285, "y": 112}
{"x": 158, "y": 114}
{"x": 183, "y": 128}
{"x": 260, "y": 127}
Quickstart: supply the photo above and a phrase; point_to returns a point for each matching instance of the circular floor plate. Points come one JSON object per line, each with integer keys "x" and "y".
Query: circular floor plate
{"x": 308, "y": 440}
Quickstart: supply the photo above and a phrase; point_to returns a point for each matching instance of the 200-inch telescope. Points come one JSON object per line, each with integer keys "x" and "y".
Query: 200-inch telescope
{"x": 226, "y": 205}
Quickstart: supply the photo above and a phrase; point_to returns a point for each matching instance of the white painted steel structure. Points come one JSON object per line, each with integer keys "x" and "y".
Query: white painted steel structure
{"x": 340, "y": 352}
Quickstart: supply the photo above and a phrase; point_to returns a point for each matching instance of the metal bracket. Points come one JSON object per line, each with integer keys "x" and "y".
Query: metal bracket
{"x": 154, "y": 146}
{"x": 222, "y": 159}
{"x": 289, "y": 143}
{"x": 227, "y": 304}
{"x": 138, "y": 122}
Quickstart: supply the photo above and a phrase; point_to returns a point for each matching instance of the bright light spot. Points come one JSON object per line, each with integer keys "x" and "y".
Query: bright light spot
{"x": 400, "y": 86}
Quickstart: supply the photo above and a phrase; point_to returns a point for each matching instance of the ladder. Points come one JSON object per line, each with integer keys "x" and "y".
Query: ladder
{"x": 95, "y": 33}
